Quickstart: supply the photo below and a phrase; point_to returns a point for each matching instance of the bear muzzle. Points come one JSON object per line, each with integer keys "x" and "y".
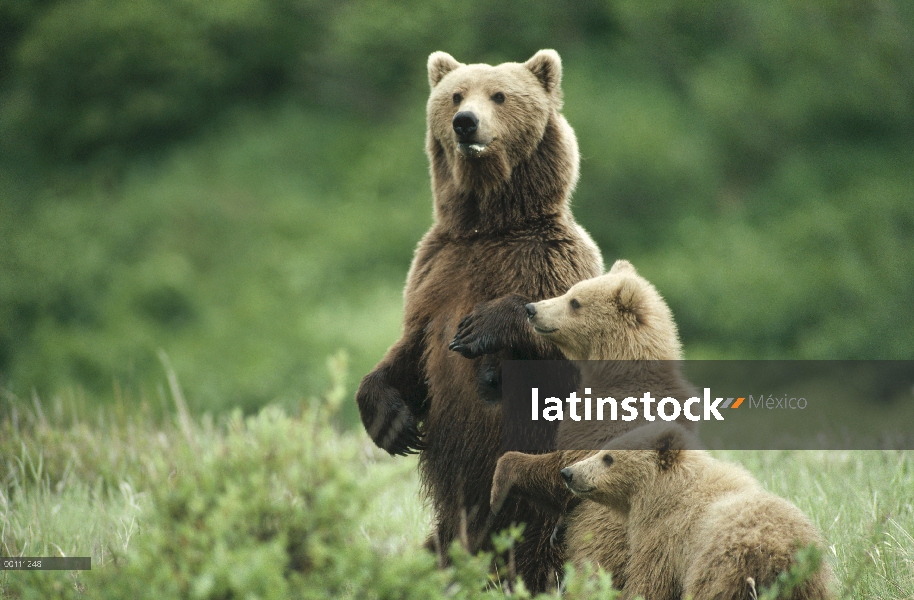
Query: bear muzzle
{"x": 535, "y": 318}
{"x": 538, "y": 326}
{"x": 466, "y": 126}
{"x": 577, "y": 482}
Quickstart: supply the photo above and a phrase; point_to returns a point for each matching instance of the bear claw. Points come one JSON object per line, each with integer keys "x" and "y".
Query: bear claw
{"x": 387, "y": 419}
{"x": 402, "y": 437}
{"x": 471, "y": 344}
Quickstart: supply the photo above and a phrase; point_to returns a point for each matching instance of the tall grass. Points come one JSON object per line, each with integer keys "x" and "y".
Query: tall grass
{"x": 275, "y": 505}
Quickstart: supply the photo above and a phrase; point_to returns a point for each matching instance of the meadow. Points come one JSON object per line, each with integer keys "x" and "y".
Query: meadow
{"x": 279, "y": 505}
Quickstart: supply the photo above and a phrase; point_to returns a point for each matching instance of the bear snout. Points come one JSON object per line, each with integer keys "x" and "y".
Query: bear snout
{"x": 465, "y": 124}
{"x": 531, "y": 310}
{"x": 566, "y": 473}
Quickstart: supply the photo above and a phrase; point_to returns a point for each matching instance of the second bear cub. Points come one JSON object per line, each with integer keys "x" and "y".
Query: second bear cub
{"x": 696, "y": 527}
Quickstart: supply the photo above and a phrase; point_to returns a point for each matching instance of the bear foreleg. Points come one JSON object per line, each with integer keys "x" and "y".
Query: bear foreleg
{"x": 535, "y": 478}
{"x": 392, "y": 398}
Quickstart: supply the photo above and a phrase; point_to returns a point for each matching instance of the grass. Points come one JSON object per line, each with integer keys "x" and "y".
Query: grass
{"x": 201, "y": 506}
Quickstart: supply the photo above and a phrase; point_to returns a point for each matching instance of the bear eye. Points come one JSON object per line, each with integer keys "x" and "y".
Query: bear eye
{"x": 458, "y": 98}
{"x": 607, "y": 459}
{"x": 575, "y": 303}
{"x": 498, "y": 98}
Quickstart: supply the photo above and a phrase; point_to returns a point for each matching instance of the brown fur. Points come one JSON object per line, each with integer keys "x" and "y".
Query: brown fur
{"x": 620, "y": 316}
{"x": 503, "y": 234}
{"x": 696, "y": 527}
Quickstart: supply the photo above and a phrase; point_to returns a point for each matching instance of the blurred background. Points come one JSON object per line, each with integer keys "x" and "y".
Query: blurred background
{"x": 240, "y": 184}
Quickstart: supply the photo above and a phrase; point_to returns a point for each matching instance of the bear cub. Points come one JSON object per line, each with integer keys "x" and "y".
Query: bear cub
{"x": 696, "y": 527}
{"x": 623, "y": 334}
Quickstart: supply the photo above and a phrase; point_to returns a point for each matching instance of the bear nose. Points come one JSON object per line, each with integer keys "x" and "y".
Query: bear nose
{"x": 567, "y": 475}
{"x": 465, "y": 123}
{"x": 531, "y": 310}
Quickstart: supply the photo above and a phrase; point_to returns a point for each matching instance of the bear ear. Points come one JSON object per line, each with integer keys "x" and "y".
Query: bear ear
{"x": 439, "y": 65}
{"x": 622, "y": 266}
{"x": 629, "y": 300}
{"x": 547, "y": 66}
{"x": 669, "y": 446}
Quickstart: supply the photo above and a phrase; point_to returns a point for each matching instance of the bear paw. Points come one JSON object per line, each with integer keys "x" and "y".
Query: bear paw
{"x": 471, "y": 341}
{"x": 481, "y": 332}
{"x": 386, "y": 417}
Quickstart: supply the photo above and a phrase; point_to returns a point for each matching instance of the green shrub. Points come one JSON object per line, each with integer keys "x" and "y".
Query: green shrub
{"x": 266, "y": 506}
{"x": 94, "y": 74}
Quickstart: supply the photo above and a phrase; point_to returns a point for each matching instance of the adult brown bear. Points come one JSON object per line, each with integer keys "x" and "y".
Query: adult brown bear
{"x": 503, "y": 164}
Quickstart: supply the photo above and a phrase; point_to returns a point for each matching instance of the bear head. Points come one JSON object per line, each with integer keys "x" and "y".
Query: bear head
{"x": 616, "y": 316}
{"x": 629, "y": 463}
{"x": 488, "y": 119}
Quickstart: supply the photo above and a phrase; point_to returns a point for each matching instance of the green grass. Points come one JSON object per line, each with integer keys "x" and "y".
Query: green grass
{"x": 202, "y": 507}
{"x": 861, "y": 501}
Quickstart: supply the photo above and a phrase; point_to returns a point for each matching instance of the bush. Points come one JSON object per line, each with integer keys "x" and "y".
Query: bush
{"x": 261, "y": 507}
{"x": 94, "y": 74}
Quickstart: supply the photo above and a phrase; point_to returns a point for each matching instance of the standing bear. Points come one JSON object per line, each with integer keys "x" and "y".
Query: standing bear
{"x": 696, "y": 527}
{"x": 503, "y": 165}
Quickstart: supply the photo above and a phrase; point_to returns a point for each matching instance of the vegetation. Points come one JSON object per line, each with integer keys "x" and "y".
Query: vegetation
{"x": 229, "y": 192}
{"x": 242, "y": 187}
{"x": 261, "y": 507}
{"x": 273, "y": 506}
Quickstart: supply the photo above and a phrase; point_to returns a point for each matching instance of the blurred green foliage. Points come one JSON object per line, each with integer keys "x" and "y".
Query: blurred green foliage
{"x": 267, "y": 506}
{"x": 86, "y": 75}
{"x": 241, "y": 184}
